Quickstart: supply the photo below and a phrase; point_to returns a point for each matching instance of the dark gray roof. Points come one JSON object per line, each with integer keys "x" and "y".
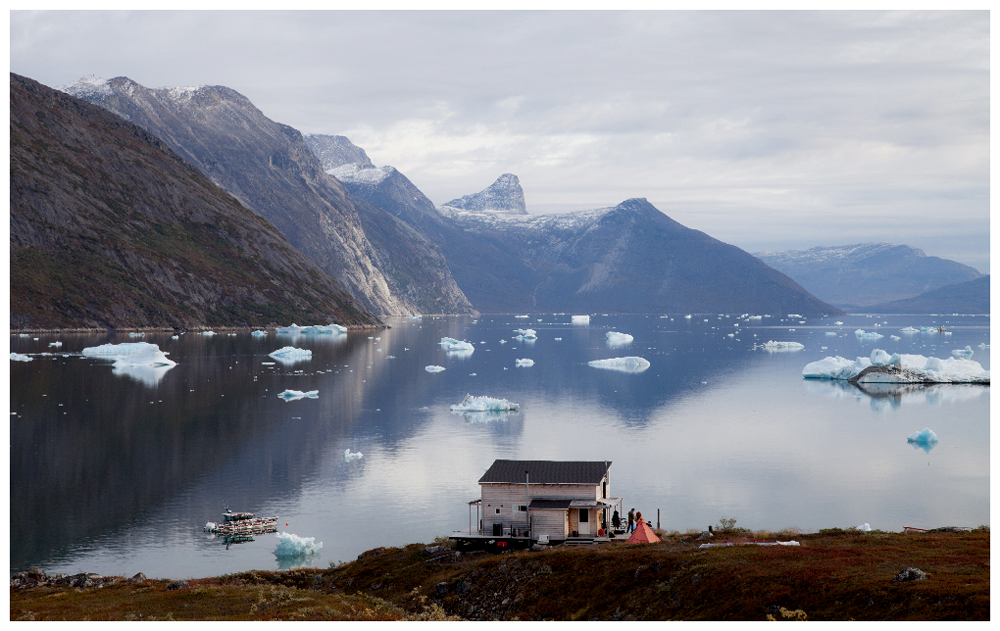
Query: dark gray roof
{"x": 550, "y": 504}
{"x": 545, "y": 472}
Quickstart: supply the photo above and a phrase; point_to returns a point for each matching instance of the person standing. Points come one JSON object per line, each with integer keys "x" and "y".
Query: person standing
{"x": 631, "y": 520}
{"x": 616, "y": 520}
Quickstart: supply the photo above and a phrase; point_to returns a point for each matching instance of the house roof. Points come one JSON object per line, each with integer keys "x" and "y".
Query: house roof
{"x": 549, "y": 504}
{"x": 545, "y": 472}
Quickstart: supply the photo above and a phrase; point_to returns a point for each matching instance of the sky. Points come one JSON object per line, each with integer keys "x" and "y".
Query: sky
{"x": 769, "y": 130}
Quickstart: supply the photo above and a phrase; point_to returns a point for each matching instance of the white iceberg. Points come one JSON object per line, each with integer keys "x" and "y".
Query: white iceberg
{"x": 259, "y": 333}
{"x": 869, "y": 335}
{"x": 130, "y": 354}
{"x": 484, "y": 404}
{"x": 451, "y": 344}
{"x": 352, "y": 455}
{"x": 18, "y": 357}
{"x": 290, "y": 545}
{"x": 525, "y": 334}
{"x": 621, "y": 364}
{"x": 898, "y": 368}
{"x": 208, "y": 332}
{"x": 294, "y": 329}
{"x": 524, "y": 363}
{"x": 615, "y": 338}
{"x": 895, "y": 338}
{"x": 771, "y": 345}
{"x": 290, "y": 354}
{"x": 294, "y": 395}
{"x": 926, "y": 436}
{"x": 909, "y": 329}
{"x": 581, "y": 319}
{"x": 328, "y": 329}
{"x": 963, "y": 352}
{"x": 831, "y": 333}
{"x": 434, "y": 368}
{"x": 56, "y": 344}
{"x": 865, "y": 527}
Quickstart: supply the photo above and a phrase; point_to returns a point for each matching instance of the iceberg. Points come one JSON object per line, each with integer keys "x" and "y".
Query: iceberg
{"x": 18, "y": 357}
{"x": 618, "y": 339}
{"x": 352, "y": 455}
{"x": 290, "y": 545}
{"x": 295, "y": 395}
{"x": 484, "y": 404}
{"x": 289, "y": 330}
{"x": 868, "y": 336}
{"x": 259, "y": 333}
{"x": 130, "y": 354}
{"x": 831, "y": 333}
{"x": 208, "y": 332}
{"x": 525, "y": 334}
{"x": 963, "y": 352}
{"x": 926, "y": 436}
{"x": 621, "y": 364}
{"x": 885, "y": 368}
{"x": 771, "y": 345}
{"x": 524, "y": 363}
{"x": 328, "y": 329}
{"x": 581, "y": 319}
{"x": 451, "y": 344}
{"x": 909, "y": 329}
{"x": 56, "y": 344}
{"x": 434, "y": 368}
{"x": 866, "y": 527}
{"x": 485, "y": 417}
{"x": 895, "y": 338}
{"x": 290, "y": 354}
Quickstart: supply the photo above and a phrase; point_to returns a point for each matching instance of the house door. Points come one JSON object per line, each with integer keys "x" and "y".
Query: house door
{"x": 584, "y": 521}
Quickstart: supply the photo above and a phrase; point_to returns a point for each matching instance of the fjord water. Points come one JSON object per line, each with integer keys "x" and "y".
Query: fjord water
{"x": 116, "y": 472}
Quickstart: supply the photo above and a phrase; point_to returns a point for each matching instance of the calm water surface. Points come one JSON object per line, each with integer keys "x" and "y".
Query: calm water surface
{"x": 117, "y": 472}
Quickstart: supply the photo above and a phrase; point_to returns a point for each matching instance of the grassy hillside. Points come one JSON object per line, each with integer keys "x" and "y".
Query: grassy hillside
{"x": 832, "y": 575}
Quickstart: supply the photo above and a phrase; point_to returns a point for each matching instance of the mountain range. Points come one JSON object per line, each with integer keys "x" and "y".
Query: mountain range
{"x": 110, "y": 228}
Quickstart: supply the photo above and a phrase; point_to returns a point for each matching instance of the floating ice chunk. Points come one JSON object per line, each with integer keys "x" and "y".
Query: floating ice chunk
{"x": 290, "y": 354}
{"x": 898, "y": 368}
{"x": 484, "y": 404}
{"x": 434, "y": 368}
{"x": 984, "y": 346}
{"x": 524, "y": 363}
{"x": 831, "y": 333}
{"x": 295, "y": 395}
{"x": 525, "y": 334}
{"x": 451, "y": 344}
{"x": 687, "y": 317}
{"x": 327, "y": 329}
{"x": 865, "y": 527}
{"x": 581, "y": 319}
{"x": 558, "y": 339}
{"x": 771, "y": 345}
{"x": 618, "y": 339}
{"x": 130, "y": 354}
{"x": 352, "y": 455}
{"x": 137, "y": 335}
{"x": 18, "y": 357}
{"x": 56, "y": 344}
{"x": 909, "y": 329}
{"x": 208, "y": 332}
{"x": 868, "y": 336}
{"x": 259, "y": 333}
{"x": 175, "y": 337}
{"x": 290, "y": 545}
{"x": 963, "y": 352}
{"x": 503, "y": 341}
{"x": 294, "y": 329}
{"x": 621, "y": 364}
{"x": 895, "y": 338}
{"x": 924, "y": 436}
{"x": 839, "y": 323}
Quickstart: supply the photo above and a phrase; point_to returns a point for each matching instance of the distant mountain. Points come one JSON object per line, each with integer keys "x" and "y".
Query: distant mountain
{"x": 972, "y": 296}
{"x": 855, "y": 276}
{"x": 335, "y": 151}
{"x": 110, "y": 228}
{"x": 503, "y": 197}
{"x": 628, "y": 259}
{"x": 386, "y": 264}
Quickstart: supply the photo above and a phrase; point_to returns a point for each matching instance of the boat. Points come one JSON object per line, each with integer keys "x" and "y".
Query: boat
{"x": 242, "y": 523}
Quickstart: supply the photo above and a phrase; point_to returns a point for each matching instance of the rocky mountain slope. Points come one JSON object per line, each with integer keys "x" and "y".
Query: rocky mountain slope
{"x": 110, "y": 228}
{"x": 863, "y": 274}
{"x": 627, "y": 259}
{"x": 269, "y": 167}
{"x": 335, "y": 151}
{"x": 504, "y": 196}
{"x": 972, "y": 296}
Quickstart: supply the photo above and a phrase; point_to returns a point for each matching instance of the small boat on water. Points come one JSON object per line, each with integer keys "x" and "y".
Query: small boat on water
{"x": 242, "y": 523}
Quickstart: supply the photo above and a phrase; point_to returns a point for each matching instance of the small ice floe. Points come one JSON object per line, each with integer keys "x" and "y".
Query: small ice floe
{"x": 925, "y": 439}
{"x": 581, "y": 319}
{"x": 865, "y": 527}
{"x": 963, "y": 352}
{"x": 503, "y": 341}
{"x": 18, "y": 357}
{"x": 259, "y": 333}
{"x": 872, "y": 335}
{"x": 522, "y": 317}
{"x": 137, "y": 335}
{"x": 621, "y": 364}
{"x": 839, "y": 323}
{"x": 831, "y": 333}
{"x": 885, "y": 368}
{"x": 615, "y": 338}
{"x": 895, "y": 338}
{"x": 434, "y": 368}
{"x": 294, "y": 329}
{"x": 451, "y": 344}
{"x": 909, "y": 329}
{"x": 524, "y": 363}
{"x": 352, "y": 455}
{"x": 772, "y": 345}
{"x": 984, "y": 346}
{"x": 290, "y": 545}
{"x": 687, "y": 317}
{"x": 525, "y": 334}
{"x": 290, "y": 354}
{"x": 208, "y": 332}
{"x": 295, "y": 395}
{"x": 484, "y": 404}
{"x": 558, "y": 339}
{"x": 175, "y": 337}
{"x": 56, "y": 344}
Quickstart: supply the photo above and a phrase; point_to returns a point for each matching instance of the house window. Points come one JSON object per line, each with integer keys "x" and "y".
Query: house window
{"x": 497, "y": 511}
{"x": 522, "y": 509}
{"x": 584, "y": 515}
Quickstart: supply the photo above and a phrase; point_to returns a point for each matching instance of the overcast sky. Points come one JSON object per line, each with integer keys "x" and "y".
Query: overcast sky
{"x": 767, "y": 130}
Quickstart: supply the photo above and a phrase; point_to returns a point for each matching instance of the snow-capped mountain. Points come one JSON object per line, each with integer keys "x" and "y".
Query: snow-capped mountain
{"x": 271, "y": 170}
{"x": 503, "y": 197}
{"x": 865, "y": 274}
{"x": 335, "y": 151}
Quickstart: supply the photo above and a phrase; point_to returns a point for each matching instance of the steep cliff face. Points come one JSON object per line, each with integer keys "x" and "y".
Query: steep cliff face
{"x": 504, "y": 196}
{"x": 110, "y": 228}
{"x": 269, "y": 167}
{"x": 335, "y": 151}
{"x": 866, "y": 274}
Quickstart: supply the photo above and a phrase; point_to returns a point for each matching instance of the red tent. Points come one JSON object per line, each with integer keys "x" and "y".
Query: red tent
{"x": 642, "y": 534}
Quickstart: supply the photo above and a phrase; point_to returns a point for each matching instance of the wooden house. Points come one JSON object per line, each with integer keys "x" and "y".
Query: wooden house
{"x": 544, "y": 500}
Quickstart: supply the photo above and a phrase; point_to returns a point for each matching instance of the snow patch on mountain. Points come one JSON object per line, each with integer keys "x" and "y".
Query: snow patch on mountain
{"x": 505, "y": 196}
{"x": 362, "y": 174}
